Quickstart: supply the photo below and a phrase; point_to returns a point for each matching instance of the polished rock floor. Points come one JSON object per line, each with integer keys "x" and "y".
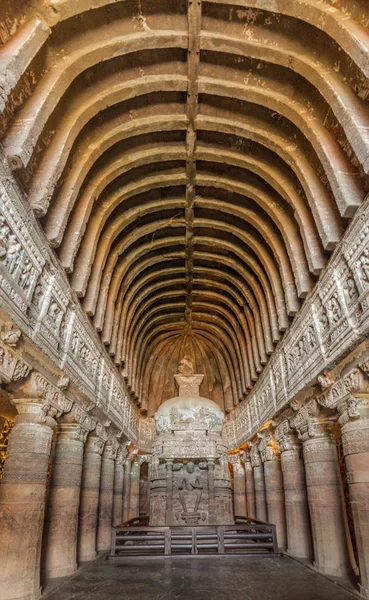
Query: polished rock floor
{"x": 201, "y": 579}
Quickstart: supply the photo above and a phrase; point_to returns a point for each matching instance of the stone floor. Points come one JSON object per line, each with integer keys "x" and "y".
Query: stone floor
{"x": 201, "y": 579}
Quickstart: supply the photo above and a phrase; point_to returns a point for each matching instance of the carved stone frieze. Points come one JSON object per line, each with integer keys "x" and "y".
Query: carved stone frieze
{"x": 332, "y": 320}
{"x": 35, "y": 293}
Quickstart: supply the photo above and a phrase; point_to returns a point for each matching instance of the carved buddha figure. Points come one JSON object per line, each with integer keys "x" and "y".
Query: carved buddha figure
{"x": 190, "y": 488}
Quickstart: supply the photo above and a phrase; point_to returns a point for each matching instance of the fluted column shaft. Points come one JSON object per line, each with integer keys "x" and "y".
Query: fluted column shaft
{"x": 259, "y": 485}
{"x": 105, "y": 515}
{"x": 325, "y": 499}
{"x": 274, "y": 493}
{"x": 118, "y": 489}
{"x": 134, "y": 496}
{"x": 64, "y": 495}
{"x": 299, "y": 542}
{"x": 250, "y": 489}
{"x": 355, "y": 440}
{"x": 89, "y": 502}
{"x": 126, "y": 489}
{"x": 22, "y": 502}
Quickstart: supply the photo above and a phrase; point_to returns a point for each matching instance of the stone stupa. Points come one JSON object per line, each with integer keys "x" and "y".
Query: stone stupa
{"x": 190, "y": 479}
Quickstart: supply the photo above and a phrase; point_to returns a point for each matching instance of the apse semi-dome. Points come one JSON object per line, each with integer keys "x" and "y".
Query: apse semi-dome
{"x": 189, "y": 406}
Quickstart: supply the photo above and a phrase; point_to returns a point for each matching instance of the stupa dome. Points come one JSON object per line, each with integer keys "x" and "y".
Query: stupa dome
{"x": 189, "y": 408}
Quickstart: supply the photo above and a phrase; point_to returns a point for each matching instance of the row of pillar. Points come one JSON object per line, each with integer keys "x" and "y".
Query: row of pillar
{"x": 63, "y": 488}
{"x": 292, "y": 478}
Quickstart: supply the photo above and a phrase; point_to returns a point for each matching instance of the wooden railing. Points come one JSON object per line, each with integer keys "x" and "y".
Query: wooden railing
{"x": 246, "y": 539}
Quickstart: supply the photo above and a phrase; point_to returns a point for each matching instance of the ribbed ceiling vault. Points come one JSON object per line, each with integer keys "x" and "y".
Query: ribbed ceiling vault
{"x": 192, "y": 163}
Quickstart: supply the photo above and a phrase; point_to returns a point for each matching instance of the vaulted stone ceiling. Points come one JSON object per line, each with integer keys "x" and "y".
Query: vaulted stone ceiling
{"x": 193, "y": 165}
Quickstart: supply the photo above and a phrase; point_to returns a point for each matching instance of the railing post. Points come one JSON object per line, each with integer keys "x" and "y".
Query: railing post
{"x": 113, "y": 542}
{"x": 275, "y": 541}
{"x": 221, "y": 549}
{"x": 167, "y": 541}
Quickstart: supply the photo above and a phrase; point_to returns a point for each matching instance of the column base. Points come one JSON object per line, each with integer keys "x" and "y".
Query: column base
{"x": 88, "y": 557}
{"x": 298, "y": 556}
{"x": 35, "y": 595}
{"x": 61, "y": 572}
{"x": 364, "y": 592}
{"x": 343, "y": 572}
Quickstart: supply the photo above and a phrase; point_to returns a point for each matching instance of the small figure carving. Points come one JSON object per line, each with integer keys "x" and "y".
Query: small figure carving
{"x": 325, "y": 381}
{"x": 11, "y": 336}
{"x": 185, "y": 366}
{"x": 363, "y": 265}
{"x": 13, "y": 253}
{"x": 190, "y": 486}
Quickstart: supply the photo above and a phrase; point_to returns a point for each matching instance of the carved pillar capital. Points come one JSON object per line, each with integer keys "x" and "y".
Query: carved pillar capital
{"x": 286, "y": 438}
{"x": 110, "y": 450}
{"x": 122, "y": 454}
{"x": 311, "y": 422}
{"x": 255, "y": 457}
{"x": 36, "y": 390}
{"x": 354, "y": 408}
{"x": 268, "y": 448}
{"x": 83, "y": 418}
{"x": 95, "y": 445}
{"x": 338, "y": 392}
{"x": 12, "y": 366}
{"x": 235, "y": 460}
{"x": 30, "y": 410}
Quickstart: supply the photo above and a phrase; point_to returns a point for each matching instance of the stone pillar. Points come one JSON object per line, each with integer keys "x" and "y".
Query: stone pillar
{"x": 259, "y": 485}
{"x": 134, "y": 496}
{"x": 274, "y": 488}
{"x": 169, "y": 501}
{"x": 118, "y": 487}
{"x": 126, "y": 489}
{"x": 239, "y": 486}
{"x": 64, "y": 494}
{"x": 355, "y": 439}
{"x": 323, "y": 491}
{"x": 22, "y": 501}
{"x": 89, "y": 502}
{"x": 299, "y": 542}
{"x": 250, "y": 488}
{"x": 105, "y": 515}
{"x": 211, "y": 488}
